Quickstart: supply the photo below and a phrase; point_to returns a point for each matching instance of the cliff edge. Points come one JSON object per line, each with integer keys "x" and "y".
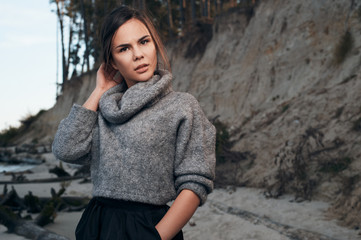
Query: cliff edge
{"x": 285, "y": 80}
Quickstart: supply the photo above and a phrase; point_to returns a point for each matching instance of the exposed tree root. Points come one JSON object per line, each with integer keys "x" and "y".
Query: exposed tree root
{"x": 291, "y": 232}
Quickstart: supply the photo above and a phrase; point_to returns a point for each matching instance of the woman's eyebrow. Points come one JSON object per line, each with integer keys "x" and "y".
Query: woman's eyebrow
{"x": 122, "y": 45}
{"x": 128, "y": 44}
{"x": 142, "y": 38}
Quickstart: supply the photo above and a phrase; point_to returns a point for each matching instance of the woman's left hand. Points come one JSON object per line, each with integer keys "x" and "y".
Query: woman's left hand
{"x": 178, "y": 215}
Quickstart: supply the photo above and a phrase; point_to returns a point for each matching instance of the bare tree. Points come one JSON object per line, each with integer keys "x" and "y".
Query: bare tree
{"x": 170, "y": 17}
{"x": 60, "y": 5}
{"x": 181, "y": 11}
{"x": 205, "y": 8}
{"x": 86, "y": 36}
{"x": 139, "y": 4}
{"x": 193, "y": 11}
{"x": 143, "y": 4}
{"x": 86, "y": 16}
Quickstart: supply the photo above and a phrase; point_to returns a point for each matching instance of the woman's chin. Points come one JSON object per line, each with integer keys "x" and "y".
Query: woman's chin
{"x": 138, "y": 80}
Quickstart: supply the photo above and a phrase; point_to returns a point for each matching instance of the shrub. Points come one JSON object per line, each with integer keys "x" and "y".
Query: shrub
{"x": 29, "y": 119}
{"x": 338, "y": 112}
{"x": 336, "y": 165}
{"x": 9, "y": 134}
{"x": 348, "y": 184}
{"x": 222, "y": 141}
{"x": 343, "y": 47}
{"x": 285, "y": 108}
{"x": 357, "y": 125}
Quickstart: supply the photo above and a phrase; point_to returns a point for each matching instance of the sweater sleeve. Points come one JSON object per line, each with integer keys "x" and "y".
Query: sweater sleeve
{"x": 195, "y": 153}
{"x": 73, "y": 139}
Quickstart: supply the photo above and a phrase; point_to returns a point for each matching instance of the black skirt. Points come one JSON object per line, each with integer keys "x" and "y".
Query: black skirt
{"x": 111, "y": 219}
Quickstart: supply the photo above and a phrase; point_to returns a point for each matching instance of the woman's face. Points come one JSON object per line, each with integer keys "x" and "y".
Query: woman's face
{"x": 134, "y": 53}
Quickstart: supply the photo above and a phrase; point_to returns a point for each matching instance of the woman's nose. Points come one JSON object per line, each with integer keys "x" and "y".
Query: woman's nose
{"x": 137, "y": 54}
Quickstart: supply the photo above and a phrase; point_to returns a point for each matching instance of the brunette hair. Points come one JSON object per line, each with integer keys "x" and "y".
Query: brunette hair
{"x": 116, "y": 19}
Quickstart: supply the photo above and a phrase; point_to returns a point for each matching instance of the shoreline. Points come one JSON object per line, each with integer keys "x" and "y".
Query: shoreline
{"x": 213, "y": 220}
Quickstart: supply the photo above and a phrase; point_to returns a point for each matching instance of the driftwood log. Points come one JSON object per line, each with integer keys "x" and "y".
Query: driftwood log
{"x": 11, "y": 207}
{"x": 25, "y": 228}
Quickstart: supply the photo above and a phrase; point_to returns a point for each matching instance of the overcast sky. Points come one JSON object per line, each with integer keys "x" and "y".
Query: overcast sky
{"x": 27, "y": 59}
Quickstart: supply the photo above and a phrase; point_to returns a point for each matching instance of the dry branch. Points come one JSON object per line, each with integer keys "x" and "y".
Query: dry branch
{"x": 45, "y": 180}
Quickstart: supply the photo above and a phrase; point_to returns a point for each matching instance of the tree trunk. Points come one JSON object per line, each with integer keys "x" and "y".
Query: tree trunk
{"x": 206, "y": 8}
{"x": 193, "y": 13}
{"x": 26, "y": 229}
{"x": 142, "y": 5}
{"x": 209, "y": 8}
{"x": 139, "y": 4}
{"x": 170, "y": 18}
{"x": 181, "y": 11}
{"x": 60, "y": 17}
{"x": 75, "y": 63}
{"x": 71, "y": 31}
{"x": 86, "y": 37}
{"x": 16, "y": 225}
{"x": 82, "y": 66}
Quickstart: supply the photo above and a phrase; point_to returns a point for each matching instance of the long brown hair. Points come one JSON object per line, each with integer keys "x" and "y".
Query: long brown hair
{"x": 116, "y": 19}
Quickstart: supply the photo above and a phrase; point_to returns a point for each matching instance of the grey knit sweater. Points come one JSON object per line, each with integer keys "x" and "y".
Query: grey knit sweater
{"x": 145, "y": 143}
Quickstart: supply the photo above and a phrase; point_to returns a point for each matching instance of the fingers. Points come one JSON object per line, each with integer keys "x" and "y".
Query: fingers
{"x": 111, "y": 71}
{"x": 114, "y": 74}
{"x": 108, "y": 75}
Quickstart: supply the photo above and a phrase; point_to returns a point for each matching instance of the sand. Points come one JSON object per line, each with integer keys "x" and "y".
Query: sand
{"x": 269, "y": 217}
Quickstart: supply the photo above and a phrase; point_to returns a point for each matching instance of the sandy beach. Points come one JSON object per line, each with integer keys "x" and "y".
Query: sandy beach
{"x": 230, "y": 213}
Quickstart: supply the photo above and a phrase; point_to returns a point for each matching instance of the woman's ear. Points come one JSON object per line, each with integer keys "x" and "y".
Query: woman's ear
{"x": 118, "y": 77}
{"x": 113, "y": 65}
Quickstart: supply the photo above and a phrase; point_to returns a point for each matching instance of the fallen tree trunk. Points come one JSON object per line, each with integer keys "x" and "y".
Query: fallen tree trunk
{"x": 11, "y": 206}
{"x": 284, "y": 229}
{"x": 33, "y": 231}
{"x": 26, "y": 228}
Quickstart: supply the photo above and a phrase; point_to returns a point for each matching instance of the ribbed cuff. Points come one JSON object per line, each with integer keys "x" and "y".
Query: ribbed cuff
{"x": 198, "y": 189}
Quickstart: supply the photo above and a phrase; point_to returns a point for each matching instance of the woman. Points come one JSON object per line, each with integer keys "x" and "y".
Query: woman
{"x": 146, "y": 144}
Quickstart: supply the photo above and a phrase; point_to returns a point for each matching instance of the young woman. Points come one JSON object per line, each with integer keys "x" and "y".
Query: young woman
{"x": 147, "y": 145}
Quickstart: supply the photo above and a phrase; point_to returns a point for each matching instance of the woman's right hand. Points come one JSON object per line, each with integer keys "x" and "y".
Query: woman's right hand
{"x": 104, "y": 82}
{"x": 105, "y": 79}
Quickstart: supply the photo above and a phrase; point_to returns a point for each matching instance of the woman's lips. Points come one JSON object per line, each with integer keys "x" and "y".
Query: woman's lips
{"x": 142, "y": 68}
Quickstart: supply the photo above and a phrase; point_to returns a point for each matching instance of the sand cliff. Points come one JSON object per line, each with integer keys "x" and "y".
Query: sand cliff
{"x": 285, "y": 78}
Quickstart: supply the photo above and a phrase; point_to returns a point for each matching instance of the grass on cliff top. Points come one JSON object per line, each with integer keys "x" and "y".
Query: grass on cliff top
{"x": 11, "y": 133}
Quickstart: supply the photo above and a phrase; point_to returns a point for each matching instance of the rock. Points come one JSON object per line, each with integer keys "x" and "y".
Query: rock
{"x": 59, "y": 172}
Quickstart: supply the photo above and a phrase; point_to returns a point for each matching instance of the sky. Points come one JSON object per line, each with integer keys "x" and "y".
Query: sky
{"x": 27, "y": 59}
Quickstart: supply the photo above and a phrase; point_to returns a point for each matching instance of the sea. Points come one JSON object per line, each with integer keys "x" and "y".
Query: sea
{"x": 15, "y": 168}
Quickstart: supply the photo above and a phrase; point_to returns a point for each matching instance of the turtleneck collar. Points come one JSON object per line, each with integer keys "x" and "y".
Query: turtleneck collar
{"x": 119, "y": 104}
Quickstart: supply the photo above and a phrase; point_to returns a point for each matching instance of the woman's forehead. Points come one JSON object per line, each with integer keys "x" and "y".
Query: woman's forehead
{"x": 132, "y": 30}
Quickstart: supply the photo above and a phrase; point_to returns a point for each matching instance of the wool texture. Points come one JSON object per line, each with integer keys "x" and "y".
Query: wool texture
{"x": 144, "y": 144}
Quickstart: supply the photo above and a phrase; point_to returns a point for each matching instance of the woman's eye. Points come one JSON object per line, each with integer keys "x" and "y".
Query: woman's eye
{"x": 145, "y": 41}
{"x": 123, "y": 49}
